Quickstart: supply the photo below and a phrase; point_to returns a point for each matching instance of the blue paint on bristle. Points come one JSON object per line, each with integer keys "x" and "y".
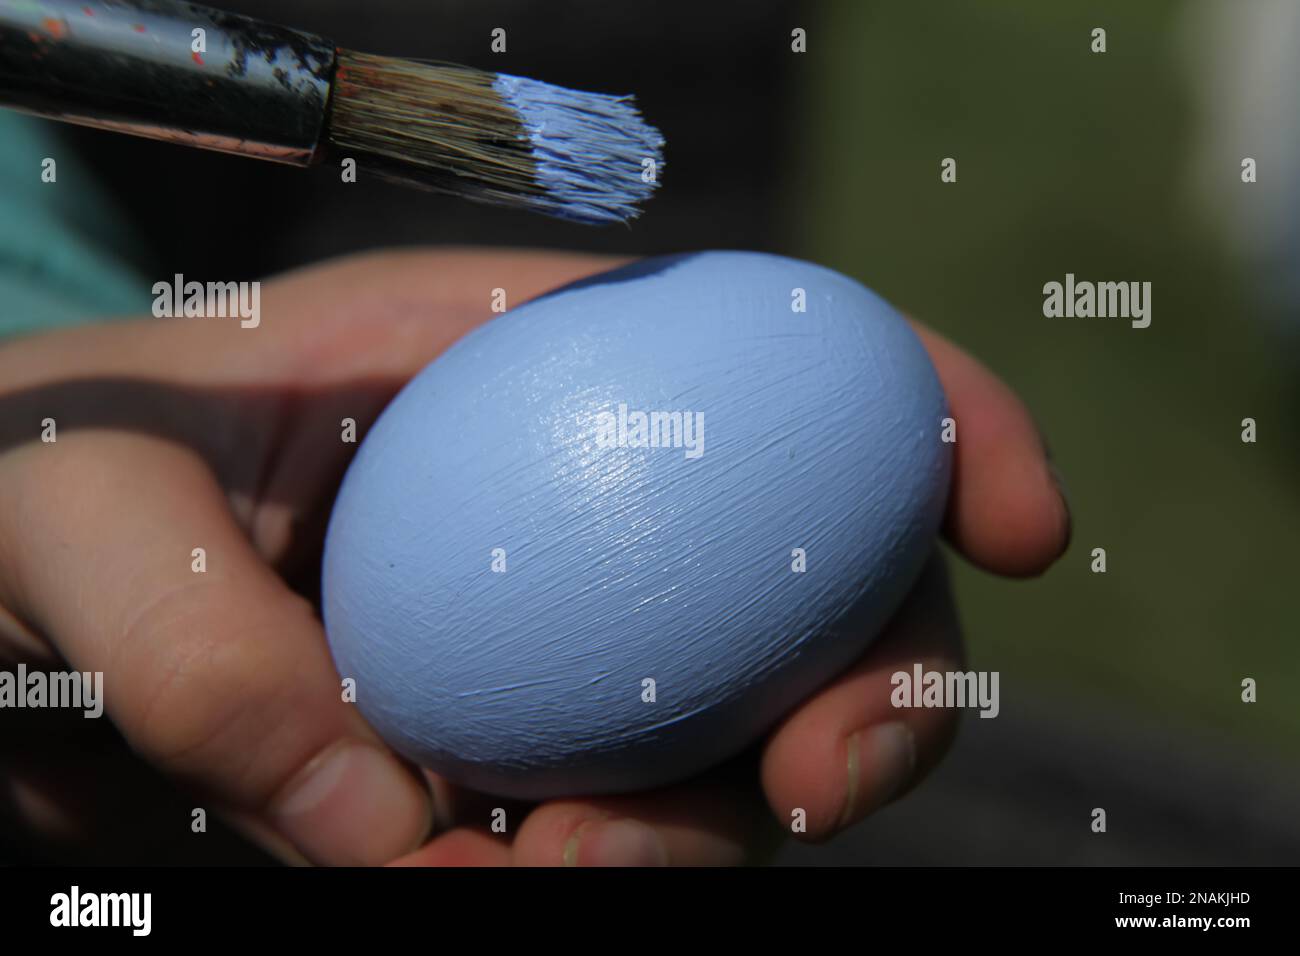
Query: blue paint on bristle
{"x": 590, "y": 149}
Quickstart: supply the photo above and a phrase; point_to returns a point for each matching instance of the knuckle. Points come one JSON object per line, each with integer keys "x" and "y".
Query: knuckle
{"x": 205, "y": 689}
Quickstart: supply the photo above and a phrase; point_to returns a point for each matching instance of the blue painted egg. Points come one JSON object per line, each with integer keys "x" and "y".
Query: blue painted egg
{"x": 609, "y": 538}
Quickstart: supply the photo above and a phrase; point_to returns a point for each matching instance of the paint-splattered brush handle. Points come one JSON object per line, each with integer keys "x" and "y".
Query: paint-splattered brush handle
{"x": 168, "y": 70}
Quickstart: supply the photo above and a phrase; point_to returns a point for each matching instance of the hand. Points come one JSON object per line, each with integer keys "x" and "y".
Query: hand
{"x": 196, "y": 433}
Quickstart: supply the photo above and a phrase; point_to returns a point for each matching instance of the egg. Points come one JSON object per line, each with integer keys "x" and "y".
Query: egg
{"x": 611, "y": 537}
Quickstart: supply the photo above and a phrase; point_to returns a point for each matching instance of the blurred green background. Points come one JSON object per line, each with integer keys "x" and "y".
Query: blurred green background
{"x": 1070, "y": 161}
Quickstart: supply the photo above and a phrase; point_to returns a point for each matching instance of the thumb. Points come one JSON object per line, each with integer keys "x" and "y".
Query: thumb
{"x": 222, "y": 678}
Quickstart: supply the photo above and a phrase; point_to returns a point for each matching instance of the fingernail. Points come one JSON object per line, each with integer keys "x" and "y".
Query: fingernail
{"x": 1064, "y": 492}
{"x": 881, "y": 762}
{"x": 354, "y": 804}
{"x": 615, "y": 843}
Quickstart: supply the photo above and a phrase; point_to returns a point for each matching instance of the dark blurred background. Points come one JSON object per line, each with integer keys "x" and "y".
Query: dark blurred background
{"x": 1119, "y": 690}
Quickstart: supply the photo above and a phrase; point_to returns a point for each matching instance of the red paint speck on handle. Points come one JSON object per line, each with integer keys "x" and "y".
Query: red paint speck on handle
{"x": 139, "y": 28}
{"x": 87, "y": 11}
{"x": 55, "y": 28}
{"x": 197, "y": 59}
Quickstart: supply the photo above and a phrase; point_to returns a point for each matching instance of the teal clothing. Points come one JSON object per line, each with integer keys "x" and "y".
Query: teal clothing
{"x": 66, "y": 255}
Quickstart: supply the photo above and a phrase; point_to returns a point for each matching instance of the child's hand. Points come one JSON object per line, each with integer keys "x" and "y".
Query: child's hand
{"x": 196, "y": 433}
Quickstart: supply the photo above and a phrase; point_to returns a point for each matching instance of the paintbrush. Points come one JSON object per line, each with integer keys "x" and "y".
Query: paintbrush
{"x": 193, "y": 75}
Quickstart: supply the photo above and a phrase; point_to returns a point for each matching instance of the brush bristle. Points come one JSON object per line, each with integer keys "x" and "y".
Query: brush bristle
{"x": 497, "y": 138}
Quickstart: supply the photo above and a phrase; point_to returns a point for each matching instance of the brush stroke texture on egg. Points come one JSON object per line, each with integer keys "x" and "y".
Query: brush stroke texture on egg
{"x": 821, "y": 432}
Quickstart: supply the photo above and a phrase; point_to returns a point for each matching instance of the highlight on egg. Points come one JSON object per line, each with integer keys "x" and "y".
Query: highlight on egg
{"x": 608, "y": 539}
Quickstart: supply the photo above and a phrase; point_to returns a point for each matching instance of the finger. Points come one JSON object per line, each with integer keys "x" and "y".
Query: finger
{"x": 463, "y": 824}
{"x": 847, "y": 751}
{"x": 264, "y": 405}
{"x": 1007, "y": 512}
{"x": 220, "y": 677}
{"x": 379, "y": 316}
{"x": 716, "y": 820}
{"x": 386, "y": 315}
{"x": 360, "y": 330}
{"x": 462, "y": 846}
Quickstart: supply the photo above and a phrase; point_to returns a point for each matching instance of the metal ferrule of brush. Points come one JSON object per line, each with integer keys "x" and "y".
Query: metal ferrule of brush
{"x": 133, "y": 66}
